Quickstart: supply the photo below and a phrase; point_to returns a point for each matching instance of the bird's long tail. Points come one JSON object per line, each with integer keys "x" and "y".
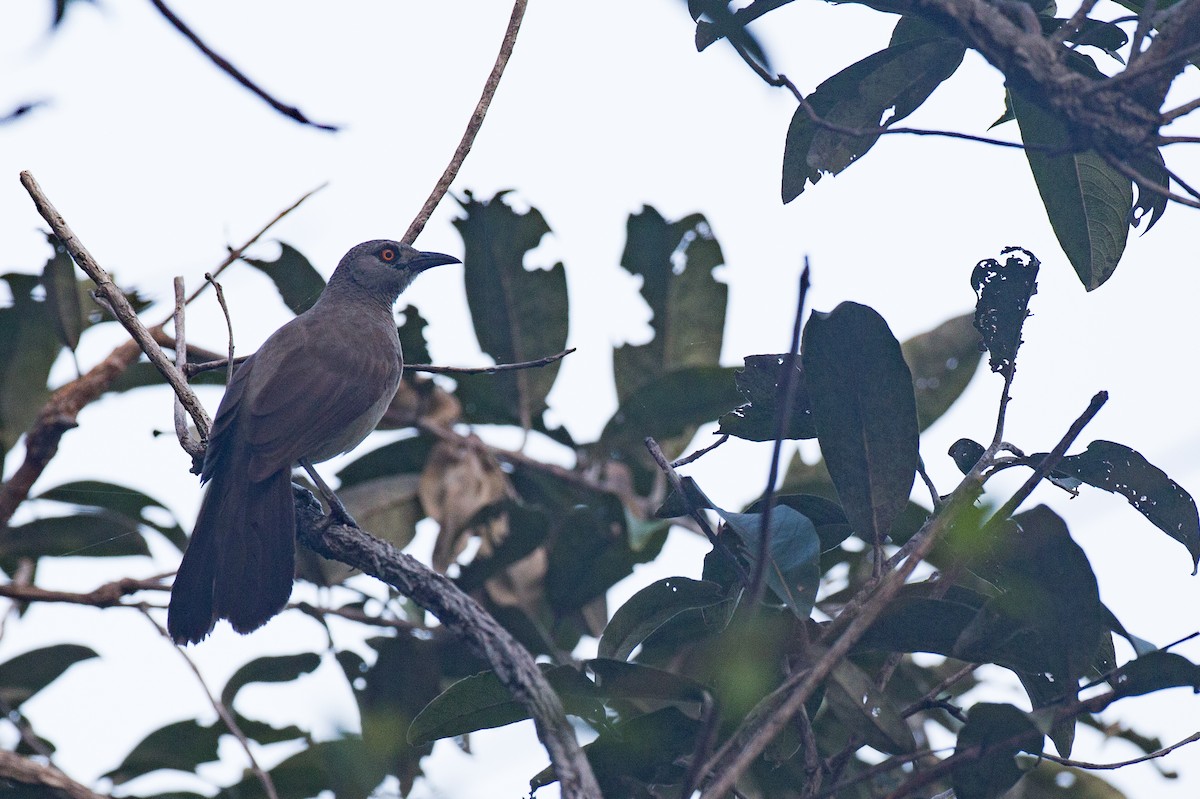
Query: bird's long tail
{"x": 240, "y": 562}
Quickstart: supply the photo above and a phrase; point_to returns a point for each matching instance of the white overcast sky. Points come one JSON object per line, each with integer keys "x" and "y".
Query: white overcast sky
{"x": 158, "y": 161}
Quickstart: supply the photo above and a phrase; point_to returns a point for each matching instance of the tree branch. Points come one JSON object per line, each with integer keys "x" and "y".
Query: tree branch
{"x": 473, "y": 125}
{"x": 514, "y": 666}
{"x": 27, "y": 772}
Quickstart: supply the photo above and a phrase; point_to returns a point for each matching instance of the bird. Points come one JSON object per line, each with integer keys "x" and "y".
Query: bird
{"x": 314, "y": 390}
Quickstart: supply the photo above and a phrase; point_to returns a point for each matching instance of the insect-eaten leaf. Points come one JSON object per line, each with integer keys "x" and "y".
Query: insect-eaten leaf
{"x": 861, "y": 393}
{"x": 1120, "y": 470}
{"x": 881, "y": 89}
{"x": 759, "y": 382}
{"x": 518, "y": 314}
{"x": 1002, "y": 292}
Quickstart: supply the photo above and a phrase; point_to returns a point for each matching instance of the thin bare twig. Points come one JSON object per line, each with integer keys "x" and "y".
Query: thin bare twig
{"x": 1180, "y": 111}
{"x": 289, "y": 111}
{"x": 222, "y": 711}
{"x": 189, "y": 444}
{"x": 108, "y": 595}
{"x": 698, "y": 454}
{"x": 229, "y": 359}
{"x": 487, "y": 370}
{"x": 1157, "y": 753}
{"x": 786, "y": 395}
{"x": 1142, "y": 32}
{"x": 473, "y": 125}
{"x": 119, "y": 304}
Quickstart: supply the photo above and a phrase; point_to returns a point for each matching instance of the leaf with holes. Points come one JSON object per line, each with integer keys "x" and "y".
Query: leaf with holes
{"x": 1002, "y": 292}
{"x": 758, "y": 381}
{"x": 861, "y": 393}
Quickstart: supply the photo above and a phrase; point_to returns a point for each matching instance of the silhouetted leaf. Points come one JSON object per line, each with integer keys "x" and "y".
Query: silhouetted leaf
{"x": 528, "y": 528}
{"x": 998, "y": 733}
{"x": 344, "y": 767}
{"x": 624, "y": 680}
{"x": 942, "y": 362}
{"x": 1087, "y": 200}
{"x": 181, "y": 746}
{"x": 406, "y": 456}
{"x": 482, "y": 702}
{"x": 675, "y": 261}
{"x": 28, "y": 348}
{"x": 722, "y": 23}
{"x": 758, "y": 383}
{"x": 298, "y": 282}
{"x": 518, "y": 314}
{"x": 62, "y": 295}
{"x": 856, "y": 701}
{"x": 412, "y": 337}
{"x": 793, "y": 570}
{"x": 24, "y": 675}
{"x": 1155, "y": 671}
{"x": 966, "y": 453}
{"x": 1118, "y": 469}
{"x": 862, "y": 401}
{"x": 651, "y": 608}
{"x": 670, "y": 406}
{"x": 101, "y": 534}
{"x": 1002, "y": 292}
{"x": 271, "y": 668}
{"x": 826, "y": 515}
{"x": 1152, "y": 201}
{"x": 883, "y": 88}
{"x": 119, "y": 499}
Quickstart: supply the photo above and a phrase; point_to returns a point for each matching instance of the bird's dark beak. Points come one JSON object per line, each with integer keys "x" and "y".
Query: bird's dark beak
{"x": 427, "y": 260}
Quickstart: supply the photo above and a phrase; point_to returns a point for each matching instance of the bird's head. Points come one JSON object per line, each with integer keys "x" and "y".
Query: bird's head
{"x": 385, "y": 268}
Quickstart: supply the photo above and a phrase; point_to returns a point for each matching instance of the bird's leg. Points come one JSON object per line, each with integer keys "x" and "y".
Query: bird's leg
{"x": 337, "y": 511}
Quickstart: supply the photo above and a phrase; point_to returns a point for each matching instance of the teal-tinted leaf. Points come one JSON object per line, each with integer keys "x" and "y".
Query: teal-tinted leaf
{"x": 669, "y": 406}
{"x": 181, "y": 746}
{"x": 518, "y": 314}
{"x": 1118, "y": 469}
{"x": 102, "y": 534}
{"x": 758, "y": 383}
{"x": 275, "y": 668}
{"x": 28, "y": 348}
{"x": 119, "y": 499}
{"x": 481, "y": 702}
{"x": 298, "y": 282}
{"x": 793, "y": 570}
{"x": 942, "y": 361}
{"x": 24, "y": 675}
{"x": 62, "y": 295}
{"x": 1155, "y": 671}
{"x": 1088, "y": 201}
{"x": 675, "y": 261}
{"x": 883, "y": 88}
{"x": 861, "y": 393}
{"x": 997, "y": 733}
{"x": 826, "y": 515}
{"x": 646, "y": 749}
{"x": 856, "y": 701}
{"x": 651, "y": 608}
{"x": 624, "y": 680}
{"x": 1002, "y": 292}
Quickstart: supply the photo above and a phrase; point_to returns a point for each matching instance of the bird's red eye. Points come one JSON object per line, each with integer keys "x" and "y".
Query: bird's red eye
{"x": 388, "y": 255}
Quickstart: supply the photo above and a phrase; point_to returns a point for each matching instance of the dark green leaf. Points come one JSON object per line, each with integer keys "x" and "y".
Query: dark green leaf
{"x": 942, "y": 361}
{"x": 867, "y": 711}
{"x": 181, "y": 746}
{"x": 144, "y": 374}
{"x": 1155, "y": 671}
{"x": 528, "y": 528}
{"x": 651, "y": 608}
{"x": 102, "y": 534}
{"x": 914, "y": 622}
{"x": 62, "y": 295}
{"x": 344, "y": 767}
{"x": 1087, "y": 201}
{"x": 882, "y": 88}
{"x": 274, "y": 668}
{"x": 675, "y": 261}
{"x": 1151, "y": 199}
{"x": 298, "y": 283}
{"x": 1002, "y": 292}
{"x": 119, "y": 499}
{"x": 669, "y": 406}
{"x": 412, "y": 336}
{"x": 1093, "y": 32}
{"x": 24, "y": 675}
{"x": 793, "y": 570}
{"x": 482, "y": 702}
{"x": 28, "y": 348}
{"x": 861, "y": 393}
{"x": 966, "y": 453}
{"x": 996, "y": 733}
{"x": 758, "y": 382}
{"x": 645, "y": 749}
{"x": 518, "y": 314}
{"x": 620, "y": 679}
{"x": 1118, "y": 469}
{"x": 406, "y": 456}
